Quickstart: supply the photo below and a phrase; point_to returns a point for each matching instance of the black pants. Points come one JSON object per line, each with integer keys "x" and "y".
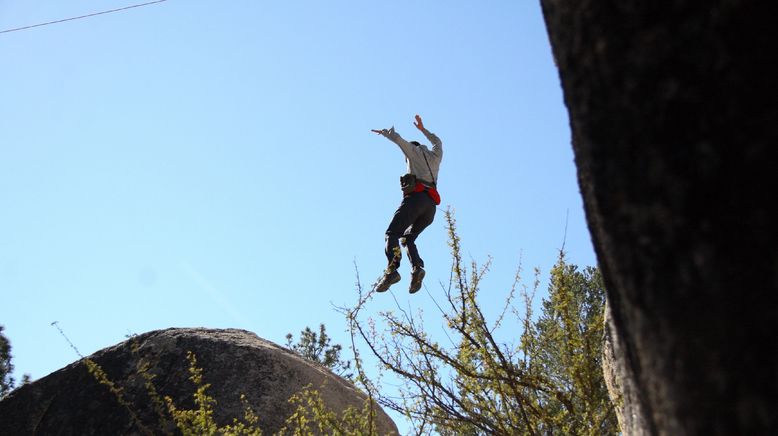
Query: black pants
{"x": 415, "y": 213}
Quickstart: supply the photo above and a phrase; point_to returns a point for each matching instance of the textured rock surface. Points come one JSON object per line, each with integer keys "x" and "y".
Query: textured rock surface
{"x": 673, "y": 108}
{"x": 234, "y": 362}
{"x": 621, "y": 382}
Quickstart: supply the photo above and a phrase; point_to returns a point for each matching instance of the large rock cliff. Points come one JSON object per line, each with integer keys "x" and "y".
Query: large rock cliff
{"x": 71, "y": 402}
{"x": 673, "y": 108}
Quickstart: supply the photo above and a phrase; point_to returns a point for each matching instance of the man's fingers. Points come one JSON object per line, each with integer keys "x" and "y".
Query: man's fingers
{"x": 419, "y": 124}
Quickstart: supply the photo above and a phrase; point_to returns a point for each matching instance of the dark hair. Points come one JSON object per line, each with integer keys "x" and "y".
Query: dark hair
{"x": 416, "y": 143}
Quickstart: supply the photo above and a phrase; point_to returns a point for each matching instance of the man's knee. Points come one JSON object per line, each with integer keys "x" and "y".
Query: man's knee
{"x": 392, "y": 236}
{"x": 407, "y": 240}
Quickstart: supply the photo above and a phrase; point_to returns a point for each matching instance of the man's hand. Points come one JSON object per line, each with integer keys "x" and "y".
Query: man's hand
{"x": 383, "y": 132}
{"x": 419, "y": 125}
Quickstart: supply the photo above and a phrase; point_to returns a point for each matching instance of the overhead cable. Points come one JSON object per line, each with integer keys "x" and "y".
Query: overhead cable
{"x": 82, "y": 16}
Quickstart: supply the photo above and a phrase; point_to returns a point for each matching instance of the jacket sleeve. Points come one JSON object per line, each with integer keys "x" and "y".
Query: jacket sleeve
{"x": 437, "y": 145}
{"x": 404, "y": 145}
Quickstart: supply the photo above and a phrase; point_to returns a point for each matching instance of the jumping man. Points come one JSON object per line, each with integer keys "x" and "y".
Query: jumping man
{"x": 417, "y": 210}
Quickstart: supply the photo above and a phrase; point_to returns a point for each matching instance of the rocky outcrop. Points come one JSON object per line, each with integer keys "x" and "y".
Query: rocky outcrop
{"x": 234, "y": 362}
{"x": 673, "y": 108}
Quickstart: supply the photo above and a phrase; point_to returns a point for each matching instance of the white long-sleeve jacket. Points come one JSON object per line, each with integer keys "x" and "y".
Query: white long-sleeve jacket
{"x": 415, "y": 155}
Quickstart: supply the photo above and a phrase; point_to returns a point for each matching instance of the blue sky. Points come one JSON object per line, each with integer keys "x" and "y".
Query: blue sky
{"x": 204, "y": 163}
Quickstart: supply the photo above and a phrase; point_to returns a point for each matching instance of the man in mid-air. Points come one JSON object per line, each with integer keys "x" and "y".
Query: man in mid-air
{"x": 417, "y": 210}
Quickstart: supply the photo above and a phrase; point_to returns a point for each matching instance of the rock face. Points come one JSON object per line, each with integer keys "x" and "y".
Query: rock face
{"x": 621, "y": 382}
{"x": 234, "y": 362}
{"x": 673, "y": 108}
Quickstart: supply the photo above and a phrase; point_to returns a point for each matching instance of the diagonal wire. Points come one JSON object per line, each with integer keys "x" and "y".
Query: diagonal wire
{"x": 82, "y": 16}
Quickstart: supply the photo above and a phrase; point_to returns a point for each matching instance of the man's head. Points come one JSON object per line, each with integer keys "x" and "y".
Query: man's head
{"x": 416, "y": 143}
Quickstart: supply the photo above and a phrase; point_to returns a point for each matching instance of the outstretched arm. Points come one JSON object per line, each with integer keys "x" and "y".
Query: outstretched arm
{"x": 437, "y": 145}
{"x": 395, "y": 137}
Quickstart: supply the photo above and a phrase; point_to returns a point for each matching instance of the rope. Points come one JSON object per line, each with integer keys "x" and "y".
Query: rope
{"x": 82, "y": 16}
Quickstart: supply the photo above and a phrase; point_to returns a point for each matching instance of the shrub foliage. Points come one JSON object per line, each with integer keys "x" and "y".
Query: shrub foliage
{"x": 548, "y": 381}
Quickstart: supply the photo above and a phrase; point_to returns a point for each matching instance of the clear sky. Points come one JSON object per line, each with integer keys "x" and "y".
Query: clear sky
{"x": 210, "y": 163}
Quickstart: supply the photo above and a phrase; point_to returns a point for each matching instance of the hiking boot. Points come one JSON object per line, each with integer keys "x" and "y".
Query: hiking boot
{"x": 390, "y": 277}
{"x": 417, "y": 275}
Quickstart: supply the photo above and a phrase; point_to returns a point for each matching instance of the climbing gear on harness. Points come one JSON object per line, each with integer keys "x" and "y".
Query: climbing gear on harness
{"x": 407, "y": 183}
{"x": 421, "y": 187}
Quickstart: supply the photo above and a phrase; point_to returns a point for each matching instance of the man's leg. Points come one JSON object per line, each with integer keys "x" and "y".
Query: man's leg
{"x": 424, "y": 219}
{"x": 403, "y": 218}
{"x": 426, "y": 208}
